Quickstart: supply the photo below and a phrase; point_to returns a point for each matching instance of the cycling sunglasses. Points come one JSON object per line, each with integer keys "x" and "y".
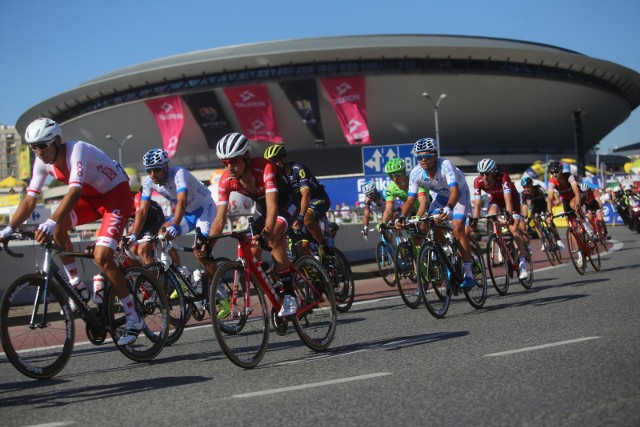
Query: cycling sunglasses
{"x": 156, "y": 170}
{"x": 396, "y": 175}
{"x": 42, "y": 146}
{"x": 425, "y": 156}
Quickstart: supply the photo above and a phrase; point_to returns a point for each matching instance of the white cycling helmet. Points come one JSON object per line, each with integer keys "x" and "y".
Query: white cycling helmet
{"x": 232, "y": 145}
{"x": 425, "y": 144}
{"x": 42, "y": 130}
{"x": 155, "y": 158}
{"x": 486, "y": 165}
{"x": 369, "y": 188}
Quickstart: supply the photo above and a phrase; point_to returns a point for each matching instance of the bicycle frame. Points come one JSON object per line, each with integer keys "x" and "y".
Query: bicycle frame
{"x": 499, "y": 229}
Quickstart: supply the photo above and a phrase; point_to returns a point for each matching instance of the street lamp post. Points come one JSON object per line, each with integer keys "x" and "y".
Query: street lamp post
{"x": 436, "y": 104}
{"x": 119, "y": 145}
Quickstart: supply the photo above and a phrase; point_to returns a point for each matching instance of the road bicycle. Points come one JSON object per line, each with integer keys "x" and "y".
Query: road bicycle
{"x": 502, "y": 256}
{"x": 440, "y": 270}
{"x": 598, "y": 226}
{"x": 551, "y": 248}
{"x": 386, "y": 255}
{"x": 243, "y": 333}
{"x": 581, "y": 245}
{"x": 37, "y": 327}
{"x": 335, "y": 263}
{"x": 406, "y": 254}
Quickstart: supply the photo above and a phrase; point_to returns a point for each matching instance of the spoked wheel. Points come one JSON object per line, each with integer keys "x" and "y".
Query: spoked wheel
{"x": 385, "y": 261}
{"x": 150, "y": 301}
{"x": 497, "y": 265}
{"x": 528, "y": 282}
{"x": 406, "y": 276}
{"x": 341, "y": 277}
{"x": 594, "y": 255}
{"x": 239, "y": 315}
{"x": 549, "y": 245}
{"x": 477, "y": 296}
{"x": 574, "y": 252}
{"x": 317, "y": 315}
{"x": 176, "y": 300}
{"x": 602, "y": 235}
{"x": 433, "y": 281}
{"x": 42, "y": 349}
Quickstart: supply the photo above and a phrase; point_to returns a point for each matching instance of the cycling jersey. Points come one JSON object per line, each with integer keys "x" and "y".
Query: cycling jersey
{"x": 200, "y": 209}
{"x": 300, "y": 177}
{"x": 104, "y": 184}
{"x": 501, "y": 187}
{"x": 394, "y": 192}
{"x": 565, "y": 190}
{"x": 537, "y": 199}
{"x": 589, "y": 200}
{"x": 377, "y": 205}
{"x": 446, "y": 176}
{"x": 155, "y": 216}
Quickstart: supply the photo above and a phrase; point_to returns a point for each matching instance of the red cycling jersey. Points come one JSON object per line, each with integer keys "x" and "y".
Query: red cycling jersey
{"x": 501, "y": 184}
{"x": 565, "y": 190}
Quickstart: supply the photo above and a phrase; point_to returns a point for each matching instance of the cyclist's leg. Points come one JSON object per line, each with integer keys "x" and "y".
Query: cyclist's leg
{"x": 316, "y": 211}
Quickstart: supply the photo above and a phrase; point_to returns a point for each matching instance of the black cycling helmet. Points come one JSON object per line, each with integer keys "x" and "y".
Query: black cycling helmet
{"x": 555, "y": 167}
{"x": 526, "y": 181}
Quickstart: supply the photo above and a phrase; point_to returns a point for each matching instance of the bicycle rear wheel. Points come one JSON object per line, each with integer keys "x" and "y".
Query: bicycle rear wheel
{"x": 433, "y": 281}
{"x": 594, "y": 255}
{"x": 342, "y": 279}
{"x": 528, "y": 282}
{"x": 150, "y": 301}
{"x": 385, "y": 261}
{"x": 477, "y": 296}
{"x": 177, "y": 308}
{"x": 239, "y": 315}
{"x": 40, "y": 350}
{"x": 579, "y": 261}
{"x": 317, "y": 315}
{"x": 406, "y": 275}
{"x": 549, "y": 245}
{"x": 497, "y": 265}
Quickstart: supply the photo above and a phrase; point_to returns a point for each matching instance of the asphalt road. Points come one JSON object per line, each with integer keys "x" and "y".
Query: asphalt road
{"x": 565, "y": 353}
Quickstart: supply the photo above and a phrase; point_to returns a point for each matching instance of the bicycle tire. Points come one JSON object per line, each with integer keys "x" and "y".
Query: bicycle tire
{"x": 528, "y": 282}
{"x": 406, "y": 275}
{"x": 243, "y": 333}
{"x": 385, "y": 260}
{"x": 150, "y": 302}
{"x": 39, "y": 352}
{"x": 433, "y": 283}
{"x": 316, "y": 326}
{"x": 594, "y": 255}
{"x": 574, "y": 249}
{"x": 477, "y": 296}
{"x": 497, "y": 265}
{"x": 343, "y": 283}
{"x": 177, "y": 308}
{"x": 549, "y": 245}
{"x": 602, "y": 235}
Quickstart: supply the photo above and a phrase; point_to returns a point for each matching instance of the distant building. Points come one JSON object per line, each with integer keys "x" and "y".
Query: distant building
{"x": 9, "y": 147}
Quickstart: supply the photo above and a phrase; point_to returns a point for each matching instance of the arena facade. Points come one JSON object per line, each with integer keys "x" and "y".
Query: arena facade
{"x": 512, "y": 100}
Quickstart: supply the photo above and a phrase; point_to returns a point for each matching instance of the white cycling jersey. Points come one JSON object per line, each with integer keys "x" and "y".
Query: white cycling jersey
{"x": 178, "y": 181}
{"x": 87, "y": 167}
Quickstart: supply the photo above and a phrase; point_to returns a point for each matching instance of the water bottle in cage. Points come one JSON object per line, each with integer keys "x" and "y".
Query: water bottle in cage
{"x": 165, "y": 259}
{"x": 98, "y": 286}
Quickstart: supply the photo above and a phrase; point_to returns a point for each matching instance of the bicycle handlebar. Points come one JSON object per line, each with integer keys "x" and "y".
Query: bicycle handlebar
{"x": 23, "y": 235}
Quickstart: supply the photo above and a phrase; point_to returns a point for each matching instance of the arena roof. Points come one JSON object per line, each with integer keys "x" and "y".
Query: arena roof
{"x": 505, "y": 98}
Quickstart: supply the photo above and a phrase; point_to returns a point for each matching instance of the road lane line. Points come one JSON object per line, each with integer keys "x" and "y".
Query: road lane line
{"x": 538, "y": 347}
{"x": 312, "y": 385}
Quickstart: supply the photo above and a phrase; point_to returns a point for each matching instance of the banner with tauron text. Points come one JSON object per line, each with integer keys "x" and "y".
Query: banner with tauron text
{"x": 253, "y": 109}
{"x": 170, "y": 118}
{"x": 347, "y": 96}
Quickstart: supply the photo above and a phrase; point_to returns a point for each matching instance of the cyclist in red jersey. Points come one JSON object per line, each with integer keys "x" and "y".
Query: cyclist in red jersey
{"x": 591, "y": 202}
{"x": 503, "y": 196}
{"x": 259, "y": 179}
{"x": 98, "y": 190}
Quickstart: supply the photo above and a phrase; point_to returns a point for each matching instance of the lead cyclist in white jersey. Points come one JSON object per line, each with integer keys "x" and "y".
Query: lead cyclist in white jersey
{"x": 450, "y": 193}
{"x": 98, "y": 190}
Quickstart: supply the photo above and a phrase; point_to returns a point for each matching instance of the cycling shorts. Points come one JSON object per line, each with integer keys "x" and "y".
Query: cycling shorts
{"x": 201, "y": 217}
{"x": 500, "y": 203}
{"x": 460, "y": 210}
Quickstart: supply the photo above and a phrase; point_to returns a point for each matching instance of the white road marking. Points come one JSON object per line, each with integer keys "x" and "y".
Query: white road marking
{"x": 538, "y": 347}
{"x": 54, "y": 424}
{"x": 312, "y": 385}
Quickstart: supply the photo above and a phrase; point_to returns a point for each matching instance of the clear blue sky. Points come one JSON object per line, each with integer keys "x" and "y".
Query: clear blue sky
{"x": 48, "y": 47}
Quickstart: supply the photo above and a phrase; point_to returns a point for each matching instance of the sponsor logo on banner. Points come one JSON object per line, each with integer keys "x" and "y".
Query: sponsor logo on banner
{"x": 255, "y": 114}
{"x": 347, "y": 97}
{"x": 170, "y": 120}
{"x": 303, "y": 95}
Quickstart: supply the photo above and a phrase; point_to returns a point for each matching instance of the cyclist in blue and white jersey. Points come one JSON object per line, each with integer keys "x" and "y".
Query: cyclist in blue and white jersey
{"x": 450, "y": 196}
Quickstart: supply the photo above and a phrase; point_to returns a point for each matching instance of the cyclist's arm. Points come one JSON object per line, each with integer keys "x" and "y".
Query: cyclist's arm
{"x": 454, "y": 195}
{"x": 305, "y": 198}
{"x": 181, "y": 207}
{"x": 408, "y": 205}
{"x": 365, "y": 214}
{"x": 423, "y": 201}
{"x": 141, "y": 217}
{"x": 388, "y": 211}
{"x": 219, "y": 222}
{"x": 477, "y": 207}
{"x": 576, "y": 194}
{"x": 24, "y": 210}
{"x": 67, "y": 204}
{"x": 271, "y": 199}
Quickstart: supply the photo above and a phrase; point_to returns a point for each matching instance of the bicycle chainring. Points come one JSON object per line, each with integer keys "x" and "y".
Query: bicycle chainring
{"x": 280, "y": 325}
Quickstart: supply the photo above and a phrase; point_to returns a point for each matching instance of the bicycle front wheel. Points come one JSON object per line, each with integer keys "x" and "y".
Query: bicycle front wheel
{"x": 176, "y": 300}
{"x": 342, "y": 279}
{"x": 385, "y": 261}
{"x": 150, "y": 302}
{"x": 41, "y": 349}
{"x": 594, "y": 255}
{"x": 579, "y": 263}
{"x": 433, "y": 281}
{"x": 239, "y": 315}
{"x": 317, "y": 315}
{"x": 549, "y": 245}
{"x": 497, "y": 263}
{"x": 477, "y": 295}
{"x": 406, "y": 276}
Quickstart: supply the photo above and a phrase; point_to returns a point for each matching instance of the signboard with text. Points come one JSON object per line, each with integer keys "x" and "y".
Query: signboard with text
{"x": 374, "y": 158}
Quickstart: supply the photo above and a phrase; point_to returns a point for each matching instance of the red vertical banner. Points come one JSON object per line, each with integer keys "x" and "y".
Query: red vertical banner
{"x": 347, "y": 95}
{"x": 170, "y": 119}
{"x": 252, "y": 106}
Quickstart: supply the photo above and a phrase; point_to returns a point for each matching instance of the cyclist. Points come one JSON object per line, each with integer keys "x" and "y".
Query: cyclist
{"x": 591, "y": 203}
{"x": 397, "y": 190}
{"x": 450, "y": 196}
{"x": 149, "y": 226}
{"x": 98, "y": 190}
{"x": 259, "y": 179}
{"x": 567, "y": 187}
{"x": 534, "y": 199}
{"x": 373, "y": 201}
{"x": 313, "y": 200}
{"x": 194, "y": 206}
{"x": 503, "y": 196}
